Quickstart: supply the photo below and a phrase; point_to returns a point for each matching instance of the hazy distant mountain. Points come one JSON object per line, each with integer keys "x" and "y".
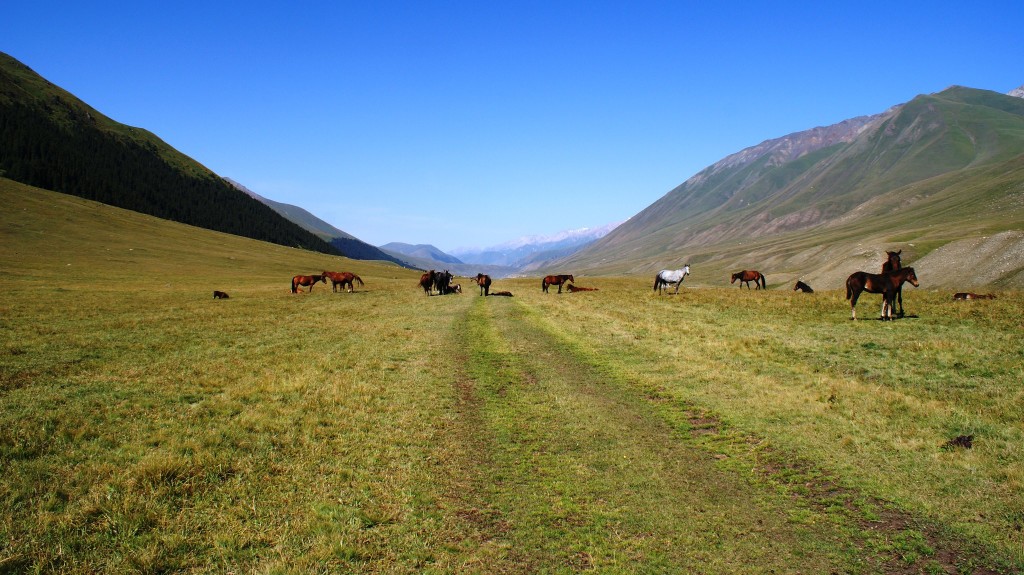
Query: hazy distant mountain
{"x": 347, "y": 244}
{"x": 52, "y": 140}
{"x": 821, "y": 203}
{"x": 1017, "y": 92}
{"x": 531, "y": 249}
{"x": 420, "y": 251}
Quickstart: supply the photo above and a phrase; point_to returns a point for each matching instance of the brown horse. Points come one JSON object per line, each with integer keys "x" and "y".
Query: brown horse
{"x": 484, "y": 281}
{"x": 306, "y": 281}
{"x": 885, "y": 284}
{"x": 892, "y": 263}
{"x": 501, "y": 293}
{"x": 343, "y": 279}
{"x": 574, "y": 289}
{"x": 802, "y": 287}
{"x": 555, "y": 281}
{"x": 427, "y": 282}
{"x": 219, "y": 295}
{"x": 747, "y": 276}
{"x": 969, "y": 295}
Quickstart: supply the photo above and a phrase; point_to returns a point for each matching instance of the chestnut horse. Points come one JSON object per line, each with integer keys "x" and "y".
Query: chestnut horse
{"x": 555, "y": 281}
{"x": 484, "y": 281}
{"x": 747, "y": 276}
{"x": 574, "y": 289}
{"x": 343, "y": 279}
{"x": 802, "y": 287}
{"x": 427, "y": 282}
{"x": 886, "y": 284}
{"x": 891, "y": 264}
{"x": 306, "y": 281}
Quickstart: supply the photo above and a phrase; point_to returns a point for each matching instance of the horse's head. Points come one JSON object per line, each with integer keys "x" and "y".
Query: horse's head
{"x": 735, "y": 277}
{"x": 572, "y": 279}
{"x": 892, "y": 261}
{"x": 686, "y": 269}
{"x": 911, "y": 277}
{"x": 320, "y": 278}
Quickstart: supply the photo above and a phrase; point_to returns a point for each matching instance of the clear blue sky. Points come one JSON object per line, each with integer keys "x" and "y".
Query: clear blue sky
{"x": 473, "y": 123}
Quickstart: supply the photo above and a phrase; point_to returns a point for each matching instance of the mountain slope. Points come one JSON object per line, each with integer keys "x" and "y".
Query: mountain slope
{"x": 940, "y": 168}
{"x": 347, "y": 244}
{"x": 52, "y": 140}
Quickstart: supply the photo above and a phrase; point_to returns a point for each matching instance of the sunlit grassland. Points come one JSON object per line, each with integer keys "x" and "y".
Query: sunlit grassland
{"x": 870, "y": 402}
{"x": 146, "y": 427}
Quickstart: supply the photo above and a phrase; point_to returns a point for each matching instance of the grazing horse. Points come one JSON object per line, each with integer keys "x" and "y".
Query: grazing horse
{"x": 747, "y": 276}
{"x": 802, "y": 287}
{"x": 668, "y": 277}
{"x": 306, "y": 281}
{"x": 343, "y": 279}
{"x": 427, "y": 282}
{"x": 484, "y": 281}
{"x": 555, "y": 281}
{"x": 886, "y": 284}
{"x": 574, "y": 289}
{"x": 219, "y": 295}
{"x": 442, "y": 281}
{"x": 891, "y": 264}
{"x": 969, "y": 295}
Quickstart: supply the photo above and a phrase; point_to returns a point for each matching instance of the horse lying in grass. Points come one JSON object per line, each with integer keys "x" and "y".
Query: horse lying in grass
{"x": 574, "y": 289}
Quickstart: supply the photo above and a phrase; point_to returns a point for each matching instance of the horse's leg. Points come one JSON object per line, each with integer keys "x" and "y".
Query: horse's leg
{"x": 853, "y": 304}
{"x": 899, "y": 296}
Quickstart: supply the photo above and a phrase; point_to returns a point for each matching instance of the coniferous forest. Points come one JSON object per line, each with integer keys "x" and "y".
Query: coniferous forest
{"x": 51, "y": 141}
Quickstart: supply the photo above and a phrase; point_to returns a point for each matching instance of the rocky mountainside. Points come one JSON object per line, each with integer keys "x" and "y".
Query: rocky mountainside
{"x": 938, "y": 169}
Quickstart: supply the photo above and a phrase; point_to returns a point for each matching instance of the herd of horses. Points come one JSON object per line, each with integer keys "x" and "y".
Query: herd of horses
{"x": 889, "y": 283}
{"x": 337, "y": 279}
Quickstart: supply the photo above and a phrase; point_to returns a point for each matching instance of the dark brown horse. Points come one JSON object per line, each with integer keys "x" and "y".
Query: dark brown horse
{"x": 555, "y": 281}
{"x": 306, "y": 281}
{"x": 343, "y": 279}
{"x": 442, "y": 281}
{"x": 891, "y": 264}
{"x": 747, "y": 276}
{"x": 484, "y": 281}
{"x": 802, "y": 287}
{"x": 219, "y": 295}
{"x": 574, "y": 289}
{"x": 886, "y": 284}
{"x": 501, "y": 293}
{"x": 969, "y": 295}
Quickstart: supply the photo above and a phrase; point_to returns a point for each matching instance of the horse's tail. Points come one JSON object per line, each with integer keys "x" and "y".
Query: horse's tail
{"x": 293, "y": 286}
{"x": 764, "y": 282}
{"x": 657, "y": 282}
{"x": 849, "y": 288}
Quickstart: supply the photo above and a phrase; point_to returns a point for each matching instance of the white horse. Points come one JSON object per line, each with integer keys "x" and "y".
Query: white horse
{"x": 666, "y": 277}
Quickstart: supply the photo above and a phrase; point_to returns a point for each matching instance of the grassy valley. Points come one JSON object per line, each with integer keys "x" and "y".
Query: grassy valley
{"x": 145, "y": 426}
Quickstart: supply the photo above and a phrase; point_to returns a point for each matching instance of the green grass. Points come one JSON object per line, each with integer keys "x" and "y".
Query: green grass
{"x": 145, "y": 427}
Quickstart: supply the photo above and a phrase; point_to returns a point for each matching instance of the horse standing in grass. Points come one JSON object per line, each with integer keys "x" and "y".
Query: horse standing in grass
{"x": 669, "y": 277}
{"x": 555, "y": 281}
{"x": 343, "y": 279}
{"x": 442, "y": 281}
{"x": 306, "y": 281}
{"x": 747, "y": 276}
{"x": 886, "y": 284}
{"x": 427, "y": 282}
{"x": 484, "y": 281}
{"x": 891, "y": 264}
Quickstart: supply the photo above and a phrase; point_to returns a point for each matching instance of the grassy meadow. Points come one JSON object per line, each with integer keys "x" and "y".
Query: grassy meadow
{"x": 146, "y": 427}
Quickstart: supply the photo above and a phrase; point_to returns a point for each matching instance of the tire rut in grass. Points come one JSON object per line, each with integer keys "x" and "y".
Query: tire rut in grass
{"x": 569, "y": 471}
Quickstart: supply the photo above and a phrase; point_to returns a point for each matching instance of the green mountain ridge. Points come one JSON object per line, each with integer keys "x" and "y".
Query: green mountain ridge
{"x": 941, "y": 168}
{"x": 52, "y": 140}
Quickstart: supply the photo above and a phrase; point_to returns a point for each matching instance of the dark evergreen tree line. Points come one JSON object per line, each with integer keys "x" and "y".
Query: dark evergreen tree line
{"x": 79, "y": 159}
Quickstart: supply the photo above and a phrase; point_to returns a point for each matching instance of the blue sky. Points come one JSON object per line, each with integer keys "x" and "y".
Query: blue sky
{"x": 470, "y": 124}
